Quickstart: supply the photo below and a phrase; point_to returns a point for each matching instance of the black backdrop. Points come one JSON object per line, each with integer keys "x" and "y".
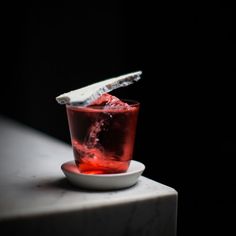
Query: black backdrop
{"x": 186, "y": 132}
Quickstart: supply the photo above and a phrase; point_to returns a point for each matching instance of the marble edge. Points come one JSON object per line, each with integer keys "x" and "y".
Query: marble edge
{"x": 169, "y": 190}
{"x": 47, "y": 211}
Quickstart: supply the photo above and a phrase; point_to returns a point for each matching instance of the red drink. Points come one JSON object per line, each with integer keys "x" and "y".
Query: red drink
{"x": 103, "y": 135}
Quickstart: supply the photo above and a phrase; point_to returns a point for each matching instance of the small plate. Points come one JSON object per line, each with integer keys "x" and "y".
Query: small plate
{"x": 103, "y": 181}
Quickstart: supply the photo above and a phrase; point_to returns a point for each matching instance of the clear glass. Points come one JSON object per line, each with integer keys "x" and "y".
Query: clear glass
{"x": 103, "y": 139}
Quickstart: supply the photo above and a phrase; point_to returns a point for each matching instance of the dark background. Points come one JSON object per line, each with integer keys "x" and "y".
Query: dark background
{"x": 186, "y": 135}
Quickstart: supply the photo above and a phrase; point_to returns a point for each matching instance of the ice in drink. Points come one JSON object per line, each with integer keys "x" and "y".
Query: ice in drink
{"x": 103, "y": 134}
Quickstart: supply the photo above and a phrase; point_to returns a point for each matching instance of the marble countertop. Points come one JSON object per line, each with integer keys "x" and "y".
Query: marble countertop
{"x": 32, "y": 183}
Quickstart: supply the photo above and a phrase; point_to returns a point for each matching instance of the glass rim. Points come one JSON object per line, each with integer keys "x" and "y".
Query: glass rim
{"x": 132, "y": 103}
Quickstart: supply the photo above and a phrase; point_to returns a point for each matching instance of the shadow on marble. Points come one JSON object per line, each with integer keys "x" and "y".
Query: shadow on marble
{"x": 64, "y": 184}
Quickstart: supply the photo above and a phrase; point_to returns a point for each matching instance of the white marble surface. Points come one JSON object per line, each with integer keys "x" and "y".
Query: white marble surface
{"x": 35, "y": 197}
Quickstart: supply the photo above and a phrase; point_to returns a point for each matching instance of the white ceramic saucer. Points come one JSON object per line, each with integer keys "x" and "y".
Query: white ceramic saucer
{"x": 103, "y": 181}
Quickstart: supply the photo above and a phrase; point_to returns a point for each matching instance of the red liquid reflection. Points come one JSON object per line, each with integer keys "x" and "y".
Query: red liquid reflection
{"x": 103, "y": 139}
